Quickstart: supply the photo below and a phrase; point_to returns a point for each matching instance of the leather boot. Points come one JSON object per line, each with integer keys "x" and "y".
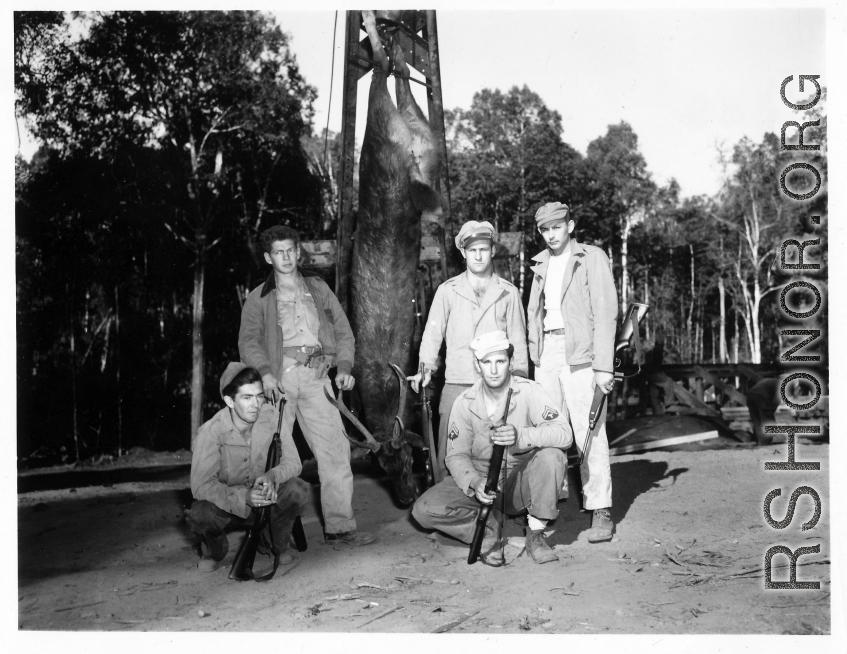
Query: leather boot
{"x": 538, "y": 548}
{"x": 602, "y": 526}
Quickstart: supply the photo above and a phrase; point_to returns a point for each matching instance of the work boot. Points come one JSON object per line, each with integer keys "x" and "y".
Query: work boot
{"x": 206, "y": 562}
{"x": 538, "y": 548}
{"x": 601, "y": 526}
{"x": 353, "y": 538}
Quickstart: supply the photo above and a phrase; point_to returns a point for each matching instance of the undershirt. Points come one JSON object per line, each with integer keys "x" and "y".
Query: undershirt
{"x": 491, "y": 405}
{"x": 553, "y": 291}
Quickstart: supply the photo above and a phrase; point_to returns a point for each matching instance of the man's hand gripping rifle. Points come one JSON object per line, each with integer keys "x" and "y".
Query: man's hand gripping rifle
{"x": 627, "y": 333}
{"x": 494, "y": 466}
{"x": 433, "y": 471}
{"x": 242, "y": 565}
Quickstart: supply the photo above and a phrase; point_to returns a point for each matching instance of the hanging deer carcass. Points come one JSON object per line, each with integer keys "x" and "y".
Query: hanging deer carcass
{"x": 398, "y": 164}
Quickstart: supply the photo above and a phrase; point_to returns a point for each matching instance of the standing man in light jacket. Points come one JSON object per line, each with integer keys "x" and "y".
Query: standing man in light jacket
{"x": 474, "y": 302}
{"x": 572, "y": 316}
{"x": 293, "y": 331}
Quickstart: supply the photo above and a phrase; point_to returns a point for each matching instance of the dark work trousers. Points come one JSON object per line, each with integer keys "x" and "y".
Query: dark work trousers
{"x": 210, "y": 523}
{"x": 535, "y": 485}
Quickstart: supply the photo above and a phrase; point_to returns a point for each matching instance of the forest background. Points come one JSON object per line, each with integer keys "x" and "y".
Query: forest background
{"x": 171, "y": 140}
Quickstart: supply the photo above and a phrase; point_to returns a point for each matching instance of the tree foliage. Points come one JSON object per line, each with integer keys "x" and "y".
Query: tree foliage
{"x": 171, "y": 139}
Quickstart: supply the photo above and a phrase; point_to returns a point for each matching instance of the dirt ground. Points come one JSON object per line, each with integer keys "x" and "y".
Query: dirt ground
{"x": 686, "y": 559}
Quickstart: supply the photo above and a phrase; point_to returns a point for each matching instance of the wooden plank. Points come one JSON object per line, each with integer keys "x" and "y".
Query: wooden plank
{"x": 684, "y": 396}
{"x": 346, "y": 225}
{"x": 717, "y": 382}
{"x": 664, "y": 442}
{"x": 318, "y": 254}
{"x": 435, "y": 107}
{"x": 430, "y": 250}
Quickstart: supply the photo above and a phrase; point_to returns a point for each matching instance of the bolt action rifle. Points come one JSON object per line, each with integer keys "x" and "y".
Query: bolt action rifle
{"x": 494, "y": 466}
{"x": 627, "y": 332}
{"x": 433, "y": 471}
{"x": 242, "y": 565}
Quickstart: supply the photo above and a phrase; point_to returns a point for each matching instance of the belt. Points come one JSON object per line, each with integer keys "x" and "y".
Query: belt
{"x": 313, "y": 350}
{"x": 555, "y": 332}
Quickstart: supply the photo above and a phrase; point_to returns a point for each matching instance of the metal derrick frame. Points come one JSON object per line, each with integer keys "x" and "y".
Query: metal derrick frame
{"x": 423, "y": 54}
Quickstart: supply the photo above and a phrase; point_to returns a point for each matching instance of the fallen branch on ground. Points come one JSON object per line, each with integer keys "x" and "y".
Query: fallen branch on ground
{"x": 341, "y": 598}
{"x": 453, "y": 623}
{"x": 565, "y": 591}
{"x": 381, "y": 615}
{"x": 78, "y": 606}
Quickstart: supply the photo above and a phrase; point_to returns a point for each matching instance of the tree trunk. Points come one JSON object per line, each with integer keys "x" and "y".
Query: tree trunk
{"x": 735, "y": 337}
{"x": 689, "y": 321}
{"x": 756, "y": 341}
{"x": 118, "y": 371}
{"x": 197, "y": 355}
{"x": 627, "y": 225}
{"x": 647, "y": 302}
{"x": 73, "y": 392}
{"x": 724, "y": 355}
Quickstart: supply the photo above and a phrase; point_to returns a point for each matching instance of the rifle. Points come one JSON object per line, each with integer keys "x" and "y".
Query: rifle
{"x": 433, "y": 471}
{"x": 242, "y": 565}
{"x": 490, "y": 485}
{"x": 635, "y": 313}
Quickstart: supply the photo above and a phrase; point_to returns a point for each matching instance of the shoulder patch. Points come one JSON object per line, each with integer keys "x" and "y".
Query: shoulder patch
{"x": 549, "y": 414}
{"x": 454, "y": 432}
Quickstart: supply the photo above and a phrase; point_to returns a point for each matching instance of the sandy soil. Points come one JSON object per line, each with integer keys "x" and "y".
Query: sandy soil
{"x": 119, "y": 558}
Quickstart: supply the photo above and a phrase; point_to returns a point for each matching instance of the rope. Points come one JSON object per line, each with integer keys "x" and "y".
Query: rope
{"x": 331, "y": 79}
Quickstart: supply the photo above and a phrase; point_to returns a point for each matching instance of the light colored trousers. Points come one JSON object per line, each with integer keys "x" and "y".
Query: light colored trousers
{"x": 535, "y": 485}
{"x": 324, "y": 432}
{"x": 575, "y": 391}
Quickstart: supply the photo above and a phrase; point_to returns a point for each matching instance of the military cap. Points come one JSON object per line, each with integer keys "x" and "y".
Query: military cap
{"x": 473, "y": 231}
{"x": 229, "y": 374}
{"x": 490, "y": 342}
{"x": 551, "y": 211}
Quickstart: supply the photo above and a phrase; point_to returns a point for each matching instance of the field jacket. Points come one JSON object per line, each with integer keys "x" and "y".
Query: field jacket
{"x": 260, "y": 337}
{"x": 455, "y": 315}
{"x": 224, "y": 465}
{"x": 534, "y": 414}
{"x": 589, "y": 308}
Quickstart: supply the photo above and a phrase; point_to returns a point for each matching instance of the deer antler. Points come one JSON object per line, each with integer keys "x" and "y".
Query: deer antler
{"x": 370, "y": 442}
{"x": 401, "y": 403}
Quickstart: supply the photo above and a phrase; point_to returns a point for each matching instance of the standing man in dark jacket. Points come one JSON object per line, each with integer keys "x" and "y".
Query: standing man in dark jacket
{"x": 572, "y": 313}
{"x": 293, "y": 331}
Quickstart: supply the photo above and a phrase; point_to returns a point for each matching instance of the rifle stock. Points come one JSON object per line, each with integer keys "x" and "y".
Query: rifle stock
{"x": 434, "y": 472}
{"x": 494, "y": 466}
{"x": 242, "y": 564}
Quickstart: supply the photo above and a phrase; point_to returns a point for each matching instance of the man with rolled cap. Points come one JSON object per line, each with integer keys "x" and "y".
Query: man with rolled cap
{"x": 572, "y": 313}
{"x": 471, "y": 303}
{"x": 228, "y": 477}
{"x": 536, "y": 435}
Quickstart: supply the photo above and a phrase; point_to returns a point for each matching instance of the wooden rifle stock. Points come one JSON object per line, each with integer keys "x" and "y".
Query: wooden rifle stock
{"x": 242, "y": 565}
{"x": 433, "y": 472}
{"x": 494, "y": 466}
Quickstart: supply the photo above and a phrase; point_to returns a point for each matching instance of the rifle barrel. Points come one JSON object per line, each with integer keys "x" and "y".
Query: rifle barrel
{"x": 494, "y": 466}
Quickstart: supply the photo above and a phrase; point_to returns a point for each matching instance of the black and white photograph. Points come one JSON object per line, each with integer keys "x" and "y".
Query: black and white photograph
{"x": 357, "y": 325}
